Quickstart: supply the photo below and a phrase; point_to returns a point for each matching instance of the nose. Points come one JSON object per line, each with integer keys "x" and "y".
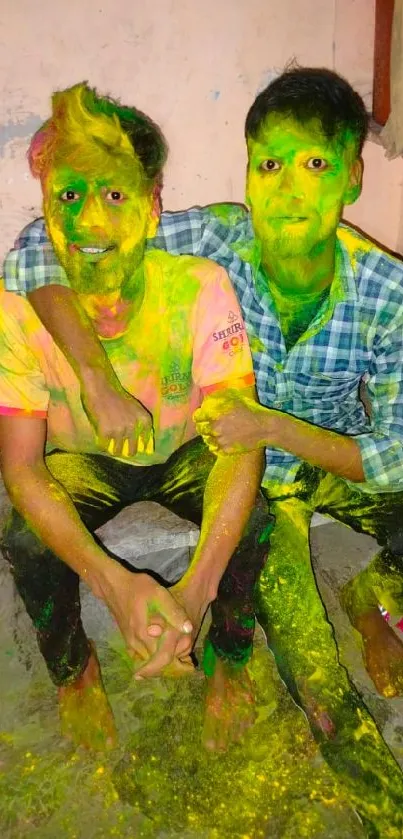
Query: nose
{"x": 92, "y": 215}
{"x": 291, "y": 184}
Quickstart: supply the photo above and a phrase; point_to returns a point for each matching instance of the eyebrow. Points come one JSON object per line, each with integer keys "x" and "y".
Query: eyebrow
{"x": 314, "y": 151}
{"x": 69, "y": 180}
{"x": 79, "y": 182}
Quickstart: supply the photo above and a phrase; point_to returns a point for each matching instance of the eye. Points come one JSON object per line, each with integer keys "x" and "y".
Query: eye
{"x": 115, "y": 196}
{"x": 69, "y": 195}
{"x": 317, "y": 163}
{"x": 270, "y": 165}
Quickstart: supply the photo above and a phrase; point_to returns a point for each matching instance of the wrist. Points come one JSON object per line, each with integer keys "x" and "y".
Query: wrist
{"x": 101, "y": 574}
{"x": 274, "y": 427}
{"x": 200, "y": 585}
{"x": 98, "y": 376}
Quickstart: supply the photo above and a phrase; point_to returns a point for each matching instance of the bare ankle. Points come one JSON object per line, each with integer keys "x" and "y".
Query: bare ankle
{"x": 371, "y": 623}
{"x": 88, "y": 677}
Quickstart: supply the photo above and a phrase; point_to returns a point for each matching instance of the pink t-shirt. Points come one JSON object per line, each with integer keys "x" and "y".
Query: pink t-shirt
{"x": 187, "y": 340}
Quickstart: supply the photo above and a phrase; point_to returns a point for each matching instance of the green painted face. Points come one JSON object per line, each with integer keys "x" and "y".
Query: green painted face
{"x": 98, "y": 219}
{"x": 297, "y": 185}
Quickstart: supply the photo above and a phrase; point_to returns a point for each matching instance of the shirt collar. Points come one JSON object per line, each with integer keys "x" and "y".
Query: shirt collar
{"x": 345, "y": 278}
{"x": 248, "y": 247}
{"x": 343, "y": 287}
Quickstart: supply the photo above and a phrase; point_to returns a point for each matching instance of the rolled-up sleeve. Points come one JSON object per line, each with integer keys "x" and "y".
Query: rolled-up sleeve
{"x": 32, "y": 263}
{"x": 382, "y": 447}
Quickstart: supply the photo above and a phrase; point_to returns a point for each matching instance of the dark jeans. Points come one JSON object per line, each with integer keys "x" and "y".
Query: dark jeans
{"x": 301, "y": 637}
{"x": 100, "y": 487}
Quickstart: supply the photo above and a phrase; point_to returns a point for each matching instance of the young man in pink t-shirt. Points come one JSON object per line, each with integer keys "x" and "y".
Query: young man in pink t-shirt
{"x": 173, "y": 332}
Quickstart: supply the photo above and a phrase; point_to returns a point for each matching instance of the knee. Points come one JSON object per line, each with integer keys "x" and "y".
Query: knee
{"x": 260, "y": 524}
{"x": 263, "y": 518}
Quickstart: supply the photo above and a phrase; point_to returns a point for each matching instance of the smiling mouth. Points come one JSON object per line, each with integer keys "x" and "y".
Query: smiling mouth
{"x": 93, "y": 250}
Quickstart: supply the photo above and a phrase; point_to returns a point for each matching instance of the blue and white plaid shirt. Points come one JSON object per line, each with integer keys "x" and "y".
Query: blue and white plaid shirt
{"x": 356, "y": 334}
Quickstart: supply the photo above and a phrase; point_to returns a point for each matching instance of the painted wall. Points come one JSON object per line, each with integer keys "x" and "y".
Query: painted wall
{"x": 195, "y": 68}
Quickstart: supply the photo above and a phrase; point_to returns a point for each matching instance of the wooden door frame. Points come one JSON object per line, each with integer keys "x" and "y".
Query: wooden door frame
{"x": 382, "y": 49}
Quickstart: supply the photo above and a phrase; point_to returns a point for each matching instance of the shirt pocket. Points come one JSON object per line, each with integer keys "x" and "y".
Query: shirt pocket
{"x": 328, "y": 388}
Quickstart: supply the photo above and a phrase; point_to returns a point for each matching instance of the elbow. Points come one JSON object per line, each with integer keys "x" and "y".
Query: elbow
{"x": 18, "y": 482}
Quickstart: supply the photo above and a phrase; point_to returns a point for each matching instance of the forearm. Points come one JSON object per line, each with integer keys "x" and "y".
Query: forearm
{"x": 60, "y": 312}
{"x": 48, "y": 510}
{"x": 229, "y": 497}
{"x": 114, "y": 414}
{"x": 335, "y": 453}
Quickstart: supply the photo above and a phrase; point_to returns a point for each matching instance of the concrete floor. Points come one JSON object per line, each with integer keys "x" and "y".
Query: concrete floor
{"x": 159, "y": 782}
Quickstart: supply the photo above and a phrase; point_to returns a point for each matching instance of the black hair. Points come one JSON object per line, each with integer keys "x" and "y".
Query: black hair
{"x": 145, "y": 135}
{"x": 308, "y": 93}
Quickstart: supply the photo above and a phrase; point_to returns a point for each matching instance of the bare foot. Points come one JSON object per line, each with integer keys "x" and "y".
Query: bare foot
{"x": 383, "y": 653}
{"x": 230, "y": 706}
{"x": 318, "y": 716}
{"x": 382, "y": 649}
{"x": 85, "y": 714}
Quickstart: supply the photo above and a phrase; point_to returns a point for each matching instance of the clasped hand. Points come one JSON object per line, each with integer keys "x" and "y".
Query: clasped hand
{"x": 231, "y": 423}
{"x": 124, "y": 427}
{"x": 159, "y": 626}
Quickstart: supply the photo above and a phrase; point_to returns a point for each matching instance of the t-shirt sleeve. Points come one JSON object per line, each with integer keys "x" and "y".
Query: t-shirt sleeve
{"x": 221, "y": 354}
{"x": 23, "y": 389}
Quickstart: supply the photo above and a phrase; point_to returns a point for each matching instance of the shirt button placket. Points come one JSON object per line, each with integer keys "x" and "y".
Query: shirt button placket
{"x": 280, "y": 387}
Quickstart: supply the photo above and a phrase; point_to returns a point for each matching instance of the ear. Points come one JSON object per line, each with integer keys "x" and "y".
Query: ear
{"x": 247, "y": 198}
{"x": 155, "y": 211}
{"x": 354, "y": 186}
